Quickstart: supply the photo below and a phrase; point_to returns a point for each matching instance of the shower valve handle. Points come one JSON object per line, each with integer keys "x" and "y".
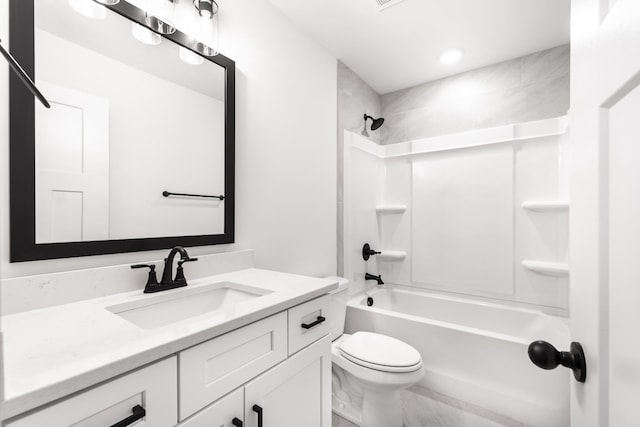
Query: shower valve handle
{"x": 545, "y": 356}
{"x": 367, "y": 252}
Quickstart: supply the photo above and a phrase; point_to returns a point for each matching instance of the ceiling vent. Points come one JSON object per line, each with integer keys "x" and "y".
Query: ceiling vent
{"x": 384, "y": 4}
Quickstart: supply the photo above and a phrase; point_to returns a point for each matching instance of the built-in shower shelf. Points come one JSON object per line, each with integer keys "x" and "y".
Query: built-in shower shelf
{"x": 391, "y": 209}
{"x": 392, "y": 255}
{"x": 545, "y": 206}
{"x": 549, "y": 268}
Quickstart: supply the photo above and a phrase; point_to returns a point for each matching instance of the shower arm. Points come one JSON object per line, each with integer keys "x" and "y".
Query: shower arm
{"x": 24, "y": 77}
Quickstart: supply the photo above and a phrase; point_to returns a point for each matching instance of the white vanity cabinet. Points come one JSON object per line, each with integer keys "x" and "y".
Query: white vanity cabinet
{"x": 295, "y": 393}
{"x": 279, "y": 366}
{"x": 152, "y": 388}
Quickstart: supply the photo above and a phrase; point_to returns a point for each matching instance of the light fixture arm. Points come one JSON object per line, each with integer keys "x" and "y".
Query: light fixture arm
{"x": 13, "y": 64}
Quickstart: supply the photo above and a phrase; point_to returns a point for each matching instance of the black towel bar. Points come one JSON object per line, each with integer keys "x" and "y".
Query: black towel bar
{"x": 167, "y": 194}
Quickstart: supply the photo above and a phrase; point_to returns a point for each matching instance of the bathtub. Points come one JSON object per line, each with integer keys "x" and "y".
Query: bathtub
{"x": 473, "y": 351}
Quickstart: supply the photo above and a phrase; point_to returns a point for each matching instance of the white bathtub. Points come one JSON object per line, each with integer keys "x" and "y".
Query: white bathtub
{"x": 473, "y": 351}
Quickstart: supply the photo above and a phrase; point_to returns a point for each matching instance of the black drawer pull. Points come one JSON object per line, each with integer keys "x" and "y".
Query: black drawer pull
{"x": 236, "y": 422}
{"x": 311, "y": 325}
{"x": 138, "y": 414}
{"x": 258, "y": 410}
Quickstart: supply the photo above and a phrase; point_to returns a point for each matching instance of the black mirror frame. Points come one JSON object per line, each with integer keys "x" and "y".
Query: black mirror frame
{"x": 23, "y": 245}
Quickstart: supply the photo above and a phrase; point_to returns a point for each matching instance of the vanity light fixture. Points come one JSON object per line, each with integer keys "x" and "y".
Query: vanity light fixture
{"x": 89, "y": 8}
{"x": 206, "y": 27}
{"x": 452, "y": 55}
{"x": 190, "y": 57}
{"x": 159, "y": 15}
{"x": 145, "y": 35}
{"x": 206, "y": 8}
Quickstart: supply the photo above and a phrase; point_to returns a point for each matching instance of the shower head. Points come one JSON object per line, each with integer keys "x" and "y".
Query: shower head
{"x": 375, "y": 124}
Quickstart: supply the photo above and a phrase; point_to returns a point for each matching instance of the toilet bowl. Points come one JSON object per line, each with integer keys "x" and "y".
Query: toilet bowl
{"x": 369, "y": 370}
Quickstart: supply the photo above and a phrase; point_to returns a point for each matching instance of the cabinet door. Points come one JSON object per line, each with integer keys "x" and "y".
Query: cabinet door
{"x": 152, "y": 389}
{"x": 221, "y": 413}
{"x": 295, "y": 393}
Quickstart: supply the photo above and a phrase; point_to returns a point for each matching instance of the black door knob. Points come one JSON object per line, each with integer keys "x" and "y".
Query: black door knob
{"x": 545, "y": 356}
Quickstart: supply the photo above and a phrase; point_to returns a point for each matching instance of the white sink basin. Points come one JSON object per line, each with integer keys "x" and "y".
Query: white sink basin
{"x": 176, "y": 305}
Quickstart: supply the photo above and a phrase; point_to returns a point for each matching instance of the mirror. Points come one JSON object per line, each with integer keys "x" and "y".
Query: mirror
{"x": 137, "y": 151}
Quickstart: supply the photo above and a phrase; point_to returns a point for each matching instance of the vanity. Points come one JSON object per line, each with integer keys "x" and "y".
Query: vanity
{"x": 233, "y": 349}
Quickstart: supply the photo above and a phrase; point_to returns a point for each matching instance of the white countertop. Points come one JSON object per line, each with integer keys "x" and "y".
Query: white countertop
{"x": 53, "y": 352}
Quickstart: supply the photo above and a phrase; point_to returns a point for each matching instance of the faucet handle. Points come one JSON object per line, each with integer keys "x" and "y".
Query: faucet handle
{"x": 182, "y": 261}
{"x": 152, "y": 280}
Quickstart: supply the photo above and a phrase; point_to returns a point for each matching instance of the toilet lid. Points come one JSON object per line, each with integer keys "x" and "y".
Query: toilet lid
{"x": 380, "y": 352}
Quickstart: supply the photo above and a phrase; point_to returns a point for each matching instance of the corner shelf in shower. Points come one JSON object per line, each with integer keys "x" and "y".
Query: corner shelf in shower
{"x": 548, "y": 268}
{"x": 546, "y": 206}
{"x": 391, "y": 255}
{"x": 391, "y": 209}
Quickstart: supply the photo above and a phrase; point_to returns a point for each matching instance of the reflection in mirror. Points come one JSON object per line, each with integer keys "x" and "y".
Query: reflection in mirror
{"x": 133, "y": 115}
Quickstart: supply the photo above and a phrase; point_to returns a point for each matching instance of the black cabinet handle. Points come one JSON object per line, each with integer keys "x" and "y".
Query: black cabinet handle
{"x": 236, "y": 422}
{"x": 311, "y": 325}
{"x": 138, "y": 414}
{"x": 258, "y": 410}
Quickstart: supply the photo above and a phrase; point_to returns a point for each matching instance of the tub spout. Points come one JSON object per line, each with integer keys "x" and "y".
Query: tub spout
{"x": 377, "y": 278}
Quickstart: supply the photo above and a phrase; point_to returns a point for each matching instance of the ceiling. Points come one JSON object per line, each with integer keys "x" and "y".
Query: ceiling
{"x": 400, "y": 46}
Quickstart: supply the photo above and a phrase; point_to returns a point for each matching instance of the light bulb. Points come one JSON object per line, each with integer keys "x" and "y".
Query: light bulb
{"x": 145, "y": 35}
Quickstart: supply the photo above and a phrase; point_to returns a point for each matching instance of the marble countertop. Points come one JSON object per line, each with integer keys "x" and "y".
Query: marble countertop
{"x": 52, "y": 352}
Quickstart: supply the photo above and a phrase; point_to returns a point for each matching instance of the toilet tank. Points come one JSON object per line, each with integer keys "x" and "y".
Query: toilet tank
{"x": 338, "y": 307}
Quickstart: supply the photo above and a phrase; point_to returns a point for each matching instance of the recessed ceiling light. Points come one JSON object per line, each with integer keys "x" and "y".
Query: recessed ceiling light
{"x": 452, "y": 55}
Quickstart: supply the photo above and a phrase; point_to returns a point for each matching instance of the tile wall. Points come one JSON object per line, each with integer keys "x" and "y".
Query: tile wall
{"x": 532, "y": 87}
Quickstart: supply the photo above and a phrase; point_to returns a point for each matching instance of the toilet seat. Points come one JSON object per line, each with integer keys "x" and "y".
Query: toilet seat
{"x": 380, "y": 352}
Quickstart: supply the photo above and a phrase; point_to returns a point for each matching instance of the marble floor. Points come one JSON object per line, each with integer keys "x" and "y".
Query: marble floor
{"x": 424, "y": 408}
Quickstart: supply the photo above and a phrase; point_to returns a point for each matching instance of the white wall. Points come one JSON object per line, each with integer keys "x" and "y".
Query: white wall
{"x": 285, "y": 145}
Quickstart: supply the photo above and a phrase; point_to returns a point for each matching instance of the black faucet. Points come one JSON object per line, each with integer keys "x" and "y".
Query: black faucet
{"x": 378, "y": 279}
{"x": 167, "y": 281}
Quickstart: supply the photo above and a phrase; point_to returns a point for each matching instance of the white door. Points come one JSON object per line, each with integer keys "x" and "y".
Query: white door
{"x": 72, "y": 166}
{"x": 605, "y": 209}
{"x": 295, "y": 393}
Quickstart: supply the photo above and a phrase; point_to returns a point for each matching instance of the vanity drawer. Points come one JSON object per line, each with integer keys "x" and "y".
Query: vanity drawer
{"x": 306, "y": 324}
{"x": 209, "y": 370}
{"x": 221, "y": 413}
{"x": 152, "y": 388}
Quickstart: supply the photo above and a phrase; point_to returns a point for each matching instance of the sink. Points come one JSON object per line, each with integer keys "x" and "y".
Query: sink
{"x": 176, "y": 305}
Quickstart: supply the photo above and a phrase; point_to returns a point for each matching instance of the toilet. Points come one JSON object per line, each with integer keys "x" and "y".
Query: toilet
{"x": 369, "y": 370}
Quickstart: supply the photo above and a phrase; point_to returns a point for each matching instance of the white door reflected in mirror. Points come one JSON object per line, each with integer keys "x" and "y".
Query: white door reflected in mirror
{"x": 72, "y": 167}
